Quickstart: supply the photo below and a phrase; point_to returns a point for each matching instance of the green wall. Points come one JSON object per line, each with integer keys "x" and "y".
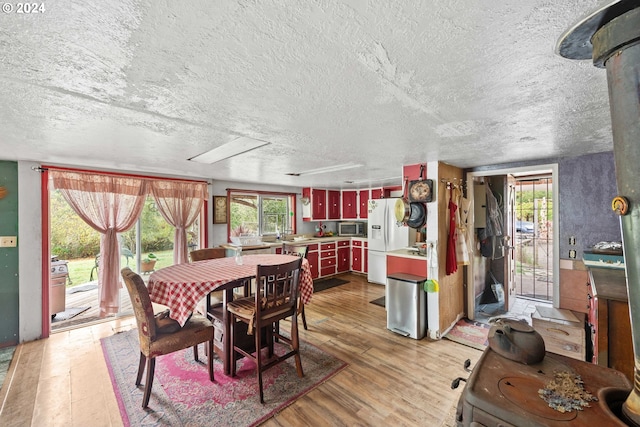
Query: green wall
{"x": 9, "y": 281}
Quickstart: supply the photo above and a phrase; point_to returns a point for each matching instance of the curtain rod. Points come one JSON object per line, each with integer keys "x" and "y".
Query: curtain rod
{"x": 45, "y": 168}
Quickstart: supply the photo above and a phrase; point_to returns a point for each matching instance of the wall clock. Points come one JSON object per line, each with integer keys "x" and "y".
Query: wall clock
{"x": 219, "y": 209}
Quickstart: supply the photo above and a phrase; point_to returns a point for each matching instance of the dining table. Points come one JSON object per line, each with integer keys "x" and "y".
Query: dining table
{"x": 181, "y": 287}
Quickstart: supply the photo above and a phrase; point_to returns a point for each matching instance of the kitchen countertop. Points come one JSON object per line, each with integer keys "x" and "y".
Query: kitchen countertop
{"x": 307, "y": 241}
{"x": 609, "y": 283}
{"x": 407, "y": 253}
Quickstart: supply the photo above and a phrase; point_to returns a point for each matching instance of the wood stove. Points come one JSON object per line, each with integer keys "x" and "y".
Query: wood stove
{"x": 503, "y": 392}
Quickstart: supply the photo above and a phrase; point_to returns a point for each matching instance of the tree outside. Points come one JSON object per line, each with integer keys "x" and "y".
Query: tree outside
{"x": 75, "y": 241}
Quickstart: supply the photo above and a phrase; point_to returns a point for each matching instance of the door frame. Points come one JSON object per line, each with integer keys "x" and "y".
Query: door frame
{"x": 470, "y": 300}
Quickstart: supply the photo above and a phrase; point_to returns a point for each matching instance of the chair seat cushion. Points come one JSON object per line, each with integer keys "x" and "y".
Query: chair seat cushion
{"x": 197, "y": 329}
{"x": 165, "y": 324}
{"x": 245, "y": 309}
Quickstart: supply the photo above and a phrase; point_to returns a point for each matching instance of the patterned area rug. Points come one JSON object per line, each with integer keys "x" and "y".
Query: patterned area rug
{"x": 470, "y": 333}
{"x": 183, "y": 395}
{"x": 6, "y": 354}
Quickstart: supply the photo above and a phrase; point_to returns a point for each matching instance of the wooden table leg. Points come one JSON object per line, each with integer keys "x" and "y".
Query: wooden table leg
{"x": 226, "y": 336}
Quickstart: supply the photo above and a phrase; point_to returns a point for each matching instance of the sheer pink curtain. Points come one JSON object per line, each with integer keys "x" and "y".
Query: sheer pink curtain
{"x": 110, "y": 205}
{"x": 179, "y": 203}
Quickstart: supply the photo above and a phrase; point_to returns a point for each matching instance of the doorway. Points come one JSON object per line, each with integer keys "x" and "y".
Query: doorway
{"x": 524, "y": 274}
{"x": 75, "y": 249}
{"x": 534, "y": 237}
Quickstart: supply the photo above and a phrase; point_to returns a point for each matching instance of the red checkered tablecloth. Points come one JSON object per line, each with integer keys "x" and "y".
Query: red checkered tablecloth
{"x": 181, "y": 287}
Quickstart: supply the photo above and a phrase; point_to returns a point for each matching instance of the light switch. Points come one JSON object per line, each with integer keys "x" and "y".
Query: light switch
{"x": 8, "y": 241}
{"x": 572, "y": 240}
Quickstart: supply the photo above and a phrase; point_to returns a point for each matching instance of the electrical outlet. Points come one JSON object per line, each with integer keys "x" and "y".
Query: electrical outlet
{"x": 8, "y": 241}
{"x": 572, "y": 240}
{"x": 572, "y": 253}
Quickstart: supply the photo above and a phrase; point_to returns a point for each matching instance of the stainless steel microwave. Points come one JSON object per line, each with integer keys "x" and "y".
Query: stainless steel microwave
{"x": 351, "y": 228}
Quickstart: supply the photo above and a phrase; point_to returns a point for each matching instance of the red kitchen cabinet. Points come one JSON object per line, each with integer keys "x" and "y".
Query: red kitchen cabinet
{"x": 349, "y": 204}
{"x": 343, "y": 256}
{"x": 376, "y": 193}
{"x": 328, "y": 259}
{"x": 333, "y": 204}
{"x": 312, "y": 257}
{"x": 356, "y": 258}
{"x": 363, "y": 203}
{"x": 319, "y": 204}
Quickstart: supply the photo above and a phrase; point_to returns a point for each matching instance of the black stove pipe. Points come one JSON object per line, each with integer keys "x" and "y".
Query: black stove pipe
{"x": 611, "y": 38}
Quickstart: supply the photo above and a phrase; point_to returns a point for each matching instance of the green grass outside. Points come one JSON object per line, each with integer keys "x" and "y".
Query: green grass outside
{"x": 80, "y": 268}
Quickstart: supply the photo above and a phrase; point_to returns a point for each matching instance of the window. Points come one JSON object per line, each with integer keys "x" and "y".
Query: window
{"x": 262, "y": 214}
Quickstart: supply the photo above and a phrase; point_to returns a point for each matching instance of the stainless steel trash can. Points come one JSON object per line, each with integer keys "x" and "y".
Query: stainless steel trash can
{"x": 406, "y": 305}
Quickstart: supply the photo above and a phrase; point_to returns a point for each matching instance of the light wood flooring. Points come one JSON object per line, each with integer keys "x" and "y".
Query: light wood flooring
{"x": 390, "y": 380}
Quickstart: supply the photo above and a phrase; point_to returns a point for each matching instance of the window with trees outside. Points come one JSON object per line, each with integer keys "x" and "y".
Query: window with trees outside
{"x": 261, "y": 214}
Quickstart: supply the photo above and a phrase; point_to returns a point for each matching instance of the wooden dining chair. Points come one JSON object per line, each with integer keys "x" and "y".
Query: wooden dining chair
{"x": 300, "y": 251}
{"x": 214, "y": 298}
{"x": 275, "y": 299}
{"x": 207, "y": 253}
{"x": 160, "y": 335}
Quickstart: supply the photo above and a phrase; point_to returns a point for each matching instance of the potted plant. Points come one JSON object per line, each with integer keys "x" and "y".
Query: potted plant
{"x": 148, "y": 264}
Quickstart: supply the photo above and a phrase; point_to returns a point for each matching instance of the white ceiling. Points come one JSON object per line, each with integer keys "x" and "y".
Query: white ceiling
{"x": 143, "y": 85}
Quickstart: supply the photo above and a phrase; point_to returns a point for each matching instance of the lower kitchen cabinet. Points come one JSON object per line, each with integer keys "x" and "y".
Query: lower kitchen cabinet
{"x": 313, "y": 257}
{"x": 334, "y": 257}
{"x": 328, "y": 260}
{"x": 359, "y": 255}
{"x": 343, "y": 254}
{"x": 609, "y": 320}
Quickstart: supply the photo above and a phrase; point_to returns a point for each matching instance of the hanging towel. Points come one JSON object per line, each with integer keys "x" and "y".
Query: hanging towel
{"x": 452, "y": 263}
{"x": 432, "y": 285}
{"x": 462, "y": 213}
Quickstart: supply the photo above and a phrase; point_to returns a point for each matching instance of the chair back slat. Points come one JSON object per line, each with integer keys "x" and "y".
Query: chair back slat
{"x": 142, "y": 307}
{"x": 207, "y": 253}
{"x": 278, "y": 288}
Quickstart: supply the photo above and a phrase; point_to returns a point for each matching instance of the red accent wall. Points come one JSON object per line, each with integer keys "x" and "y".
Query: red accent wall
{"x": 396, "y": 264}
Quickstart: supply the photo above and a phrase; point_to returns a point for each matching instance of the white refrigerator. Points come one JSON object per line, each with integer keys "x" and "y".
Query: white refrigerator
{"x": 384, "y": 234}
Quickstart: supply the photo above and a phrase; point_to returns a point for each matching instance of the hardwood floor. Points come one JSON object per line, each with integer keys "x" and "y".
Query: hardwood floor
{"x": 390, "y": 380}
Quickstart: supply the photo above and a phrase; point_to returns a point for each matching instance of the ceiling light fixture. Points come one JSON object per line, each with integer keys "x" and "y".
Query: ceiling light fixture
{"x": 230, "y": 149}
{"x": 372, "y": 180}
{"x": 334, "y": 168}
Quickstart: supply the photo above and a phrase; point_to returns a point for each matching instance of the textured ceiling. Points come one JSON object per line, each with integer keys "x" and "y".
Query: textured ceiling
{"x": 142, "y": 86}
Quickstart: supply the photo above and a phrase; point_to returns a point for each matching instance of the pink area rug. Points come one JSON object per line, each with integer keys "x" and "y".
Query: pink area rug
{"x": 182, "y": 394}
{"x": 470, "y": 333}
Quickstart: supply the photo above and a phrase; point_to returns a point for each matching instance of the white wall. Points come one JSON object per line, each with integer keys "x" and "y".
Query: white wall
{"x": 433, "y": 298}
{"x": 29, "y": 252}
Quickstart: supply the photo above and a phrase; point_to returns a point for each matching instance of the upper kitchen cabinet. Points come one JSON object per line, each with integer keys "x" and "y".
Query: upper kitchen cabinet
{"x": 333, "y": 207}
{"x": 318, "y": 204}
{"x": 363, "y": 203}
{"x": 349, "y": 204}
{"x": 323, "y": 204}
{"x": 314, "y": 204}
